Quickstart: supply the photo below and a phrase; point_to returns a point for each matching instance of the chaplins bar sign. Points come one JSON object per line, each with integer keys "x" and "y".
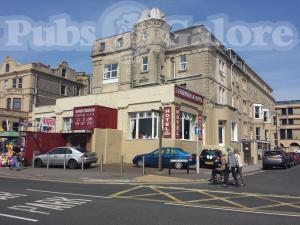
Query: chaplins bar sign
{"x": 188, "y": 95}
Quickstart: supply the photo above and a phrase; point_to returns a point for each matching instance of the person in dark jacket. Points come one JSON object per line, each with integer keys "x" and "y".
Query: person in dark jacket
{"x": 231, "y": 166}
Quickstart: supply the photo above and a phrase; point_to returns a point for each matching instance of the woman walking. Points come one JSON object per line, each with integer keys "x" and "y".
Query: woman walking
{"x": 240, "y": 164}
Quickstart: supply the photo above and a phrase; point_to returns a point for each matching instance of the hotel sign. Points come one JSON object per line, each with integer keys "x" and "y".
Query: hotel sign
{"x": 188, "y": 95}
{"x": 167, "y": 120}
{"x": 177, "y": 123}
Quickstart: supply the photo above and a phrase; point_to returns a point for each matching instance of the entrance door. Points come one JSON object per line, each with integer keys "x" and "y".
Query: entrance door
{"x": 247, "y": 151}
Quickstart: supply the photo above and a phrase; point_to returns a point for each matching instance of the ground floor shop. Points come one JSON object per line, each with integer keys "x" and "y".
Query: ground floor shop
{"x": 127, "y": 123}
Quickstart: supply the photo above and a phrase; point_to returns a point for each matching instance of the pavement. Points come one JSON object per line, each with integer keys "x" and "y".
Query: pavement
{"x": 112, "y": 174}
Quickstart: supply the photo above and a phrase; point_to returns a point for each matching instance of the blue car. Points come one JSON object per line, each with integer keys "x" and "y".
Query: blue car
{"x": 168, "y": 153}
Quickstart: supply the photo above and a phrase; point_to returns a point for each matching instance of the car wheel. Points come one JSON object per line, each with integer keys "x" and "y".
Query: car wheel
{"x": 88, "y": 165}
{"x": 38, "y": 163}
{"x": 139, "y": 163}
{"x": 265, "y": 167}
{"x": 178, "y": 165}
{"x": 72, "y": 164}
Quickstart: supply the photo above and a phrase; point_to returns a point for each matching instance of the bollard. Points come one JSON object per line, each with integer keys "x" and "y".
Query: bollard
{"x": 187, "y": 168}
{"x": 64, "y": 161}
{"x": 101, "y": 163}
{"x": 82, "y": 162}
{"x": 143, "y": 165}
{"x": 48, "y": 161}
{"x": 170, "y": 168}
{"x": 33, "y": 159}
{"x": 121, "y": 164}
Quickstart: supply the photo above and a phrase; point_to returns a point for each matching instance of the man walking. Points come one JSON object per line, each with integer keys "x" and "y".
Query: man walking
{"x": 230, "y": 168}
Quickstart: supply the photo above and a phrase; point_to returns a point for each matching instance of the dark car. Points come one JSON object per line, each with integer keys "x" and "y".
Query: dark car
{"x": 168, "y": 154}
{"x": 275, "y": 158}
{"x": 210, "y": 158}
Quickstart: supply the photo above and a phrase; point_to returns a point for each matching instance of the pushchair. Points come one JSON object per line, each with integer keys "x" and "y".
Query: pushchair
{"x": 218, "y": 175}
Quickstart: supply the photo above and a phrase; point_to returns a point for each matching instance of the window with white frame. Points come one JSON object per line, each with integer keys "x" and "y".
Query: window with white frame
{"x": 15, "y": 83}
{"x": 221, "y": 132}
{"x": 20, "y": 82}
{"x": 222, "y": 95}
{"x": 257, "y": 111}
{"x": 145, "y": 64}
{"x": 143, "y": 125}
{"x": 111, "y": 71}
{"x": 67, "y": 123}
{"x": 187, "y": 125}
{"x": 221, "y": 67}
{"x": 183, "y": 62}
{"x": 234, "y": 131}
{"x": 266, "y": 114}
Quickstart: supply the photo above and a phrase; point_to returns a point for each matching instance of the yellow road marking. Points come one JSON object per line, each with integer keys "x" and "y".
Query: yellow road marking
{"x": 125, "y": 191}
{"x": 156, "y": 194}
{"x": 210, "y": 199}
{"x": 279, "y": 204}
{"x": 166, "y": 194}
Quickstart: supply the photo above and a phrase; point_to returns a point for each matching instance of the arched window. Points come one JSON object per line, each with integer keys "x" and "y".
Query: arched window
{"x": 7, "y": 67}
{"x": 63, "y": 72}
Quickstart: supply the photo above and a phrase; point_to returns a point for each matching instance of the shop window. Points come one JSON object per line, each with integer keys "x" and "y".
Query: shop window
{"x": 221, "y": 132}
{"x": 15, "y": 126}
{"x": 17, "y": 104}
{"x": 143, "y": 125}
{"x": 145, "y": 62}
{"x": 67, "y": 123}
{"x": 183, "y": 62}
{"x": 187, "y": 124}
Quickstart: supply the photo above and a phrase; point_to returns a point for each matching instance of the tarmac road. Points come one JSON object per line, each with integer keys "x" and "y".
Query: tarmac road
{"x": 271, "y": 197}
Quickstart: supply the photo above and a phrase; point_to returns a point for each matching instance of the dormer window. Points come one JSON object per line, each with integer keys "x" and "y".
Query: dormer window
{"x": 145, "y": 35}
{"x": 63, "y": 72}
{"x": 7, "y": 67}
{"x": 102, "y": 47}
{"x": 120, "y": 43}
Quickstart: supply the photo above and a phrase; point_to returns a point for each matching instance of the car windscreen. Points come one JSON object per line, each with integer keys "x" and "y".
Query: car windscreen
{"x": 81, "y": 149}
{"x": 273, "y": 153}
{"x": 209, "y": 152}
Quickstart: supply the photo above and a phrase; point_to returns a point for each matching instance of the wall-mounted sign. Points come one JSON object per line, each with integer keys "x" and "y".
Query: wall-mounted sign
{"x": 188, "y": 95}
{"x": 47, "y": 125}
{"x": 167, "y": 122}
{"x": 200, "y": 125}
{"x": 177, "y": 123}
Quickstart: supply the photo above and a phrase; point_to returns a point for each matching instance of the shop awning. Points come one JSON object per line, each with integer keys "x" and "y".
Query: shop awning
{"x": 9, "y": 134}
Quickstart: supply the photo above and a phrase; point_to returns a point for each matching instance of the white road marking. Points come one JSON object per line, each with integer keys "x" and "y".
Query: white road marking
{"x": 6, "y": 195}
{"x": 66, "y": 193}
{"x": 18, "y": 217}
{"x": 236, "y": 210}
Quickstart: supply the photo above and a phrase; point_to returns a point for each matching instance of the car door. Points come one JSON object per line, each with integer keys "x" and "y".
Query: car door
{"x": 152, "y": 158}
{"x": 168, "y": 154}
{"x": 53, "y": 155}
{"x": 59, "y": 159}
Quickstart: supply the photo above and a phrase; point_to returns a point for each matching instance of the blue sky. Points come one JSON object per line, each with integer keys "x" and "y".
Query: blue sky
{"x": 279, "y": 68}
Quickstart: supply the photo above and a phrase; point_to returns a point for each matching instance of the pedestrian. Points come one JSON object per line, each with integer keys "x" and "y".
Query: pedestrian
{"x": 240, "y": 164}
{"x": 16, "y": 158}
{"x": 230, "y": 168}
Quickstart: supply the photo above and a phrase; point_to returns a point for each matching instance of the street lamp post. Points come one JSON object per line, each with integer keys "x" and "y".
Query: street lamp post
{"x": 276, "y": 123}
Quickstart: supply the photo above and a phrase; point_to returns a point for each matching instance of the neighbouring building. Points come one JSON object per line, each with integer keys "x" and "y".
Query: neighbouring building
{"x": 288, "y": 124}
{"x": 23, "y": 86}
{"x": 194, "y": 78}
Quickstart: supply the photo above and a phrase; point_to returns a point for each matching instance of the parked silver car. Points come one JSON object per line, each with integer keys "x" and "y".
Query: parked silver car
{"x": 72, "y": 155}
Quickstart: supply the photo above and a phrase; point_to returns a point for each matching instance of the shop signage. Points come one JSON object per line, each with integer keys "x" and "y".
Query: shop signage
{"x": 84, "y": 118}
{"x": 188, "y": 95}
{"x": 177, "y": 123}
{"x": 200, "y": 125}
{"x": 47, "y": 125}
{"x": 167, "y": 122}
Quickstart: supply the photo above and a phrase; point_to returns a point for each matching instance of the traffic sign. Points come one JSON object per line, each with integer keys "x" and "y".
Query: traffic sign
{"x": 197, "y": 131}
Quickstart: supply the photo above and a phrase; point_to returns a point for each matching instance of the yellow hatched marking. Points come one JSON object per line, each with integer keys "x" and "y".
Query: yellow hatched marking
{"x": 126, "y": 191}
{"x": 166, "y": 194}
